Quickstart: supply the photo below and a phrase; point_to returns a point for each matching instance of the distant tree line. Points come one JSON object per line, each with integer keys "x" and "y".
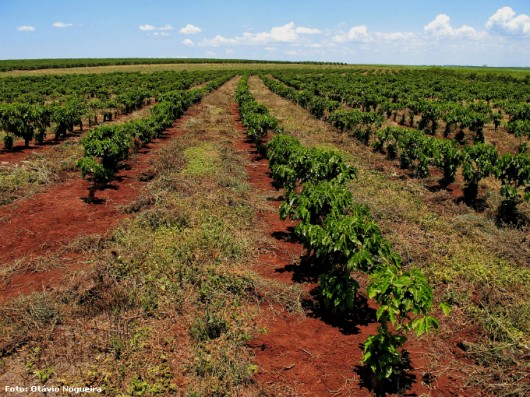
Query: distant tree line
{"x": 34, "y": 64}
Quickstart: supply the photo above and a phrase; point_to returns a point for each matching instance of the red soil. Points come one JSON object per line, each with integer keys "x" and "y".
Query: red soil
{"x": 319, "y": 355}
{"x": 47, "y": 222}
{"x": 20, "y": 152}
{"x": 26, "y": 283}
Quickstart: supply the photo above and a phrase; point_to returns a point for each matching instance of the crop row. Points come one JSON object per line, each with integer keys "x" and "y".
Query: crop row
{"x": 254, "y": 116}
{"x": 427, "y": 109}
{"x": 342, "y": 238}
{"x": 436, "y": 95}
{"x": 105, "y": 147}
{"x": 48, "y": 88}
{"x": 28, "y": 120}
{"x": 418, "y": 150}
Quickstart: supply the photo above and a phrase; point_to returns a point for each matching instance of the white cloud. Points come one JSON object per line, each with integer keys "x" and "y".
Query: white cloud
{"x": 288, "y": 33}
{"x": 441, "y": 27}
{"x": 303, "y": 30}
{"x": 282, "y": 34}
{"x": 26, "y": 28}
{"x": 506, "y": 21}
{"x": 162, "y": 30}
{"x": 62, "y": 25}
{"x": 439, "y": 42}
{"x": 229, "y": 51}
{"x": 166, "y": 27}
{"x": 190, "y": 29}
{"x": 218, "y": 41}
{"x": 147, "y": 27}
{"x": 356, "y": 33}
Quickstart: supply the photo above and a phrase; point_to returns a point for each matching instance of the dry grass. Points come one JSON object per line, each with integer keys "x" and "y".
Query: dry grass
{"x": 85, "y": 245}
{"x": 30, "y": 176}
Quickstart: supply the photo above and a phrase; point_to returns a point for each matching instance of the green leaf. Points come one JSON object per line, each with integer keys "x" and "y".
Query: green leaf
{"x": 381, "y": 311}
{"x": 445, "y": 308}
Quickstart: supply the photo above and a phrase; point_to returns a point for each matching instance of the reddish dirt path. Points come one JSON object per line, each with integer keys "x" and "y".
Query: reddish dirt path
{"x": 20, "y": 152}
{"x": 47, "y": 222}
{"x": 318, "y": 355}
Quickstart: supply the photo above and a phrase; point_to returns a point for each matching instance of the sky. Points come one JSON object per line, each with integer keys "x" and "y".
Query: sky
{"x": 408, "y": 32}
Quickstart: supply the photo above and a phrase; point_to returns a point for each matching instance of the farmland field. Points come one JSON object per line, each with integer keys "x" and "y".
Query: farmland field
{"x": 211, "y": 229}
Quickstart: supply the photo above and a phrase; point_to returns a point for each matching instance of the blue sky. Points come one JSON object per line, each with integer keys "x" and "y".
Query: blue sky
{"x": 424, "y": 32}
